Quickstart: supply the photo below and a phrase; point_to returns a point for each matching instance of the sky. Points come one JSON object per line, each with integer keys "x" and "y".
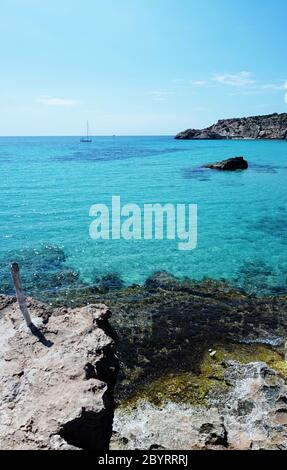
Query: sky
{"x": 138, "y": 67}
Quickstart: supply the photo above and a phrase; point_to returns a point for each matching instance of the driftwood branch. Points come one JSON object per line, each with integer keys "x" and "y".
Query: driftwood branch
{"x": 15, "y": 271}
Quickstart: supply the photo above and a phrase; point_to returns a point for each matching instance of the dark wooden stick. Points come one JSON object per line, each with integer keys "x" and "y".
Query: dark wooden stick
{"x": 15, "y": 271}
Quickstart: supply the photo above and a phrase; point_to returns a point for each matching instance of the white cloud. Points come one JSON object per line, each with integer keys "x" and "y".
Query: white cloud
{"x": 275, "y": 86}
{"x": 198, "y": 82}
{"x": 238, "y": 79}
{"x": 178, "y": 81}
{"x": 247, "y": 92}
{"x": 58, "y": 102}
{"x": 243, "y": 83}
{"x": 160, "y": 95}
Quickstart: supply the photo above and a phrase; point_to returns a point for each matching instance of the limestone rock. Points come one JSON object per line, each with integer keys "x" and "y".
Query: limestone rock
{"x": 250, "y": 415}
{"x": 56, "y": 386}
{"x": 172, "y": 427}
{"x": 255, "y": 410}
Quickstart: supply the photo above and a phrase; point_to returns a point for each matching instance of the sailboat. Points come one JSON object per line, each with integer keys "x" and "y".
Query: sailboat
{"x": 87, "y": 138}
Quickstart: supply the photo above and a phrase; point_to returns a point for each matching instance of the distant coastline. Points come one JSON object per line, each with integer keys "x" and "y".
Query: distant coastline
{"x": 266, "y": 127}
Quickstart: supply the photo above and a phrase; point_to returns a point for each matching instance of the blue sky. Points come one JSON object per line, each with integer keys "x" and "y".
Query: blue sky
{"x": 138, "y": 66}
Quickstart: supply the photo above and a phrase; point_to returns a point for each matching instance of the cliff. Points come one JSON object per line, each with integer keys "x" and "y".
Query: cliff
{"x": 272, "y": 126}
{"x": 57, "y": 380}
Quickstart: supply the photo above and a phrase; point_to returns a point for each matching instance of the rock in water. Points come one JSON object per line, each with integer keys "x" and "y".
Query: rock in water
{"x": 57, "y": 382}
{"x": 231, "y": 164}
{"x": 271, "y": 126}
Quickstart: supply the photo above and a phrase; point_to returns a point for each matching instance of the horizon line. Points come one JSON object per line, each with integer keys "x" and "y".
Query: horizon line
{"x": 80, "y": 136}
{"x": 92, "y": 136}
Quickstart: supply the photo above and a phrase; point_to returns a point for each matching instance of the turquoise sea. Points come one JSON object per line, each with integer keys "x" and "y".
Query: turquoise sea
{"x": 49, "y": 183}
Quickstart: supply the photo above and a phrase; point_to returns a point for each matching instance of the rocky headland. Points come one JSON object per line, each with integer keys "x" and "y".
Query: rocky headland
{"x": 271, "y": 126}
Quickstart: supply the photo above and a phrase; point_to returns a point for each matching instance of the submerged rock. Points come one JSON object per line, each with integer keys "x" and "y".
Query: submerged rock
{"x": 167, "y": 329}
{"x": 108, "y": 282}
{"x": 231, "y": 164}
{"x": 43, "y": 269}
{"x": 271, "y": 126}
{"x": 57, "y": 379}
{"x": 165, "y": 326}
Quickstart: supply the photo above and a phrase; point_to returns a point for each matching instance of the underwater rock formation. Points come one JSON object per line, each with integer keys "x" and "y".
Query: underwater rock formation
{"x": 43, "y": 269}
{"x": 271, "y": 126}
{"x": 57, "y": 379}
{"x": 166, "y": 325}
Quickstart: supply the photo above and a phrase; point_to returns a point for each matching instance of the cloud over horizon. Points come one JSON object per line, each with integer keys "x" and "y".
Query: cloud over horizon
{"x": 236, "y": 79}
{"x": 160, "y": 95}
{"x": 58, "y": 102}
{"x": 198, "y": 82}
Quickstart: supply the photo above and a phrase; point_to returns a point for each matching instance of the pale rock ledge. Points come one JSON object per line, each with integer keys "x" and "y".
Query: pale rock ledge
{"x": 56, "y": 385}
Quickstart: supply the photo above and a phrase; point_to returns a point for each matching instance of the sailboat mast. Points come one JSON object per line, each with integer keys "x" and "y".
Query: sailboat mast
{"x": 87, "y": 138}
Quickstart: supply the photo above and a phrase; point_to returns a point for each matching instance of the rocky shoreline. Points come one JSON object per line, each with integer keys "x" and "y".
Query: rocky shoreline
{"x": 166, "y": 330}
{"x": 57, "y": 379}
{"x": 271, "y": 126}
{"x": 246, "y": 411}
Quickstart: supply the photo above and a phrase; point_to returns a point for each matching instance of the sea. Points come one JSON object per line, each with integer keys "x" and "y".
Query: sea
{"x": 48, "y": 185}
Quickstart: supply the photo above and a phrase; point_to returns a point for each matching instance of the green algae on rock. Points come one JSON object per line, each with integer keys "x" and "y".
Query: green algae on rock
{"x": 249, "y": 414}
{"x": 188, "y": 387}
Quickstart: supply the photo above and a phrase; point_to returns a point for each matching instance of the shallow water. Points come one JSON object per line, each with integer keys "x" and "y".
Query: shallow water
{"x": 48, "y": 185}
